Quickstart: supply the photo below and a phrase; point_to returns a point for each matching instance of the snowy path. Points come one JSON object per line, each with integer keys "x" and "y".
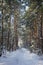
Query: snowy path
{"x": 21, "y": 57}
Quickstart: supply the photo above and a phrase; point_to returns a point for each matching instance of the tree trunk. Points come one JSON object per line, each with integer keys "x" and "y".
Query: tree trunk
{"x": 41, "y": 37}
{"x": 15, "y": 30}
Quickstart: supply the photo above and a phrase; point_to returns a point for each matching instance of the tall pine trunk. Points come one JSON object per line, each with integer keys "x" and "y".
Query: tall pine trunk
{"x": 15, "y": 30}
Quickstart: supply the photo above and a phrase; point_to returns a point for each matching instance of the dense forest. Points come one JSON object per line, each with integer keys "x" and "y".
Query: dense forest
{"x": 21, "y": 25}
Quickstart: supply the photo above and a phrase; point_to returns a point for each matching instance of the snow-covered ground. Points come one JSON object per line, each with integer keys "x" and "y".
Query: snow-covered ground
{"x": 21, "y": 57}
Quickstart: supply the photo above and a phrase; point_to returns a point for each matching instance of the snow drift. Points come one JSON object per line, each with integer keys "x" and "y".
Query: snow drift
{"x": 20, "y": 57}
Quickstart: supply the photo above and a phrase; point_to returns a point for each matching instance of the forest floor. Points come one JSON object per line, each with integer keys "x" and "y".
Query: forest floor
{"x": 21, "y": 57}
